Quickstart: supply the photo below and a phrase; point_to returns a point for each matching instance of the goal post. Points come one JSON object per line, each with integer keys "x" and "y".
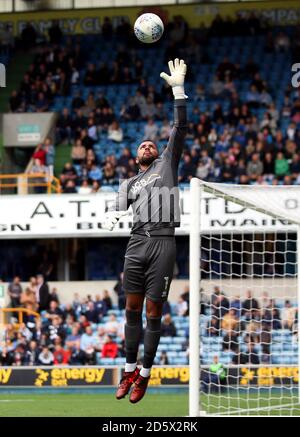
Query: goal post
{"x": 244, "y": 258}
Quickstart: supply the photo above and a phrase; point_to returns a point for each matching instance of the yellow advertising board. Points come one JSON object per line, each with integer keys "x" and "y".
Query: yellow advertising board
{"x": 85, "y": 21}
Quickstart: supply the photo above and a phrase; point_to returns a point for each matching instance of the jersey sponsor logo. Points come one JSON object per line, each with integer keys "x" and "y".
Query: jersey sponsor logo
{"x": 136, "y": 188}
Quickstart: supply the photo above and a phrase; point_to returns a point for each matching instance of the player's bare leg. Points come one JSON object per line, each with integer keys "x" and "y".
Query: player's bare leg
{"x": 133, "y": 332}
{"x": 151, "y": 341}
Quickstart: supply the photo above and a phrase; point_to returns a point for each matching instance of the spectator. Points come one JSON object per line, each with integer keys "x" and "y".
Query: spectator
{"x": 254, "y": 167}
{"x": 115, "y": 132}
{"x": 78, "y": 153}
{"x": 216, "y": 87}
{"x": 112, "y": 326}
{"x": 265, "y": 340}
{"x": 46, "y": 357}
{"x": 253, "y": 97}
{"x": 164, "y": 359}
{"x": 14, "y": 292}
{"x": 77, "y": 102}
{"x": 236, "y": 304}
{"x": 42, "y": 293}
{"x": 282, "y": 42}
{"x": 73, "y": 339}
{"x": 77, "y": 356}
{"x": 107, "y": 29}
{"x": 55, "y": 33}
{"x": 109, "y": 176}
{"x": 148, "y": 110}
{"x": 188, "y": 169}
{"x": 95, "y": 174}
{"x": 50, "y": 155}
{"x": 107, "y": 300}
{"x": 213, "y": 327}
{"x": 88, "y": 345}
{"x": 165, "y": 130}
{"x": 18, "y": 355}
{"x": 151, "y": 131}
{"x": 28, "y": 36}
{"x": 118, "y": 288}
{"x": 40, "y": 154}
{"x": 168, "y": 328}
{"x": 84, "y": 188}
{"x": 32, "y": 354}
{"x": 92, "y": 130}
{"x": 181, "y": 307}
{"x": 281, "y": 166}
{"x": 61, "y": 356}
{"x": 250, "y": 306}
{"x": 28, "y": 299}
{"x": 53, "y": 310}
{"x": 230, "y": 341}
{"x": 220, "y": 306}
{"x": 90, "y": 78}
{"x": 68, "y": 174}
{"x": 70, "y": 187}
{"x": 288, "y": 315}
{"x": 186, "y": 293}
{"x": 110, "y": 348}
{"x": 14, "y": 101}
{"x": 64, "y": 126}
{"x": 42, "y": 104}
{"x": 248, "y": 357}
{"x": 40, "y": 179}
{"x": 91, "y": 313}
{"x": 6, "y": 357}
{"x": 230, "y": 321}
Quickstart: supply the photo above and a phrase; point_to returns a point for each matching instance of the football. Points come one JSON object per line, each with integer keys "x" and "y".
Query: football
{"x": 148, "y": 28}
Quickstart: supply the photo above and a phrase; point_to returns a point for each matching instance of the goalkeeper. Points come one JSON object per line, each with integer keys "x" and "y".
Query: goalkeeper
{"x": 215, "y": 378}
{"x": 150, "y": 256}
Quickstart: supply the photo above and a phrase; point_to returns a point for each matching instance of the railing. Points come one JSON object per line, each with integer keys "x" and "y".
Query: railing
{"x": 23, "y": 183}
{"x": 20, "y": 313}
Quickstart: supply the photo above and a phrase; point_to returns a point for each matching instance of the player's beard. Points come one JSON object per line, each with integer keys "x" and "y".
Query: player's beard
{"x": 147, "y": 160}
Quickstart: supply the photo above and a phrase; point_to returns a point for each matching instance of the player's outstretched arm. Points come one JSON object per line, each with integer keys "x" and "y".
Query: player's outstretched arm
{"x": 176, "y": 81}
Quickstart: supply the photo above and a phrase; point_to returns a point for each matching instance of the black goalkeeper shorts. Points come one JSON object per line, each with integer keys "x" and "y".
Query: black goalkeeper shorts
{"x": 149, "y": 266}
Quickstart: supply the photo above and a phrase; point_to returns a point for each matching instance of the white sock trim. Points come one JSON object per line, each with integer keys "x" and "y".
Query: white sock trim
{"x": 130, "y": 367}
{"x": 145, "y": 372}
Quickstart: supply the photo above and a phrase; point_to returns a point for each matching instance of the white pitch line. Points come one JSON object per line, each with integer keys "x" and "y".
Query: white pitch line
{"x": 271, "y": 407}
{"x": 16, "y": 400}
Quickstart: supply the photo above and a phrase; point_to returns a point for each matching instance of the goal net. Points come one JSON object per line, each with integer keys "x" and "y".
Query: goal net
{"x": 244, "y": 294}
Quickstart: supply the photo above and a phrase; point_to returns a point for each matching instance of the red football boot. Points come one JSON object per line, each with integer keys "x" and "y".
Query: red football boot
{"x": 139, "y": 389}
{"x": 126, "y": 382}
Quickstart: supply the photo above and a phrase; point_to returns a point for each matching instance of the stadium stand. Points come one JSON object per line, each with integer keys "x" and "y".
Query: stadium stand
{"x": 90, "y": 331}
{"x": 244, "y": 115}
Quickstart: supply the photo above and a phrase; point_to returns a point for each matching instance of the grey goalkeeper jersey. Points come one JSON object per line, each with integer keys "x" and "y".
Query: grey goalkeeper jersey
{"x": 154, "y": 193}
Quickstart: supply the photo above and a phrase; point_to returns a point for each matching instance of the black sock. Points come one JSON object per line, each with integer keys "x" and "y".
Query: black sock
{"x": 151, "y": 340}
{"x": 133, "y": 333}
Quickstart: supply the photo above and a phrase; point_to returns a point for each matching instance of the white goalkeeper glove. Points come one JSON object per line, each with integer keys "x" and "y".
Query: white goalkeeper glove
{"x": 111, "y": 219}
{"x": 176, "y": 80}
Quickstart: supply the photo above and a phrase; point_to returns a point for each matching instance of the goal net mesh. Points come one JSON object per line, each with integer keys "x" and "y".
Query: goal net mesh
{"x": 249, "y": 356}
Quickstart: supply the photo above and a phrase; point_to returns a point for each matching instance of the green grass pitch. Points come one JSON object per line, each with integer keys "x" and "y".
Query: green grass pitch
{"x": 83, "y": 404}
